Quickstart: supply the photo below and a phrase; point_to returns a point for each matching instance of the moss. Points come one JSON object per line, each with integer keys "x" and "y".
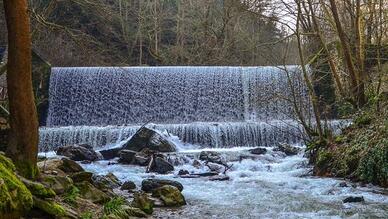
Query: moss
{"x": 362, "y": 120}
{"x": 86, "y": 215}
{"x": 50, "y": 207}
{"x": 170, "y": 195}
{"x": 142, "y": 202}
{"x": 27, "y": 169}
{"x": 39, "y": 189}
{"x": 14, "y": 195}
{"x": 70, "y": 197}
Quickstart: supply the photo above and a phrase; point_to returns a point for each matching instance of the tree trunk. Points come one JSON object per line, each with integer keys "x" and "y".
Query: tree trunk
{"x": 23, "y": 139}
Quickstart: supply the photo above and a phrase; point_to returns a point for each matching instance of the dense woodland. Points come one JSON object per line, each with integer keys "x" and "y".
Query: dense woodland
{"x": 341, "y": 46}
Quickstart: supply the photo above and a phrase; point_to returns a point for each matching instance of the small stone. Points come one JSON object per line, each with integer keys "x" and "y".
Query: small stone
{"x": 343, "y": 184}
{"x": 128, "y": 185}
{"x": 197, "y": 164}
{"x": 219, "y": 178}
{"x": 211, "y": 156}
{"x": 183, "y": 172}
{"x": 352, "y": 199}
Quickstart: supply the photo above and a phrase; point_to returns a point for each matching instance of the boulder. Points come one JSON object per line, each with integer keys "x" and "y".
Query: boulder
{"x": 106, "y": 183}
{"x": 88, "y": 191}
{"x": 127, "y": 156}
{"x": 352, "y": 199}
{"x": 197, "y": 164}
{"x": 111, "y": 153}
{"x": 148, "y": 185}
{"x": 170, "y": 195}
{"x": 69, "y": 166}
{"x": 258, "y": 151}
{"x": 161, "y": 166}
{"x": 211, "y": 156}
{"x": 287, "y": 149}
{"x": 78, "y": 152}
{"x": 128, "y": 185}
{"x": 61, "y": 167}
{"x": 143, "y": 202}
{"x": 82, "y": 177}
{"x": 149, "y": 138}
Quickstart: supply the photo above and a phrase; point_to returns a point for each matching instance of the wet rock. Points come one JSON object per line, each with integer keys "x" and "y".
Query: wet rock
{"x": 90, "y": 192}
{"x": 133, "y": 212}
{"x": 127, "y": 156}
{"x": 143, "y": 157}
{"x": 161, "y": 166}
{"x": 219, "y": 178}
{"x": 128, "y": 186}
{"x": 258, "y": 151}
{"x": 287, "y": 149}
{"x": 352, "y": 199}
{"x": 78, "y": 152}
{"x": 342, "y": 184}
{"x": 206, "y": 174}
{"x": 170, "y": 195}
{"x": 111, "y": 153}
{"x": 82, "y": 177}
{"x": 197, "y": 164}
{"x": 183, "y": 172}
{"x": 211, "y": 156}
{"x": 148, "y": 185}
{"x": 143, "y": 202}
{"x": 149, "y": 138}
{"x": 216, "y": 167}
{"x": 106, "y": 183}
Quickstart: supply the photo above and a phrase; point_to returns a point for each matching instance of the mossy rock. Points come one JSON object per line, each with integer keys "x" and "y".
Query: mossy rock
{"x": 143, "y": 202}
{"x": 88, "y": 191}
{"x": 170, "y": 195}
{"x": 38, "y": 189}
{"x": 57, "y": 183}
{"x": 54, "y": 209}
{"x": 14, "y": 195}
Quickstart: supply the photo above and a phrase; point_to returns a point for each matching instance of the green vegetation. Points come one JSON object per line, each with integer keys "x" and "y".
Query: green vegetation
{"x": 70, "y": 197}
{"x": 115, "y": 207}
{"x": 360, "y": 152}
{"x": 14, "y": 195}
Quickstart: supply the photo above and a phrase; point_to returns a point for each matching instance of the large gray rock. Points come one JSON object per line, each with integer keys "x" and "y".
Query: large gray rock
{"x": 151, "y": 139}
{"x": 127, "y": 156}
{"x": 161, "y": 166}
{"x": 78, "y": 152}
{"x": 148, "y": 185}
{"x": 111, "y": 153}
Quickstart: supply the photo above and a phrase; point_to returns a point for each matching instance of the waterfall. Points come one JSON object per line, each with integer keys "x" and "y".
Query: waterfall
{"x": 209, "y": 106}
{"x": 168, "y": 95}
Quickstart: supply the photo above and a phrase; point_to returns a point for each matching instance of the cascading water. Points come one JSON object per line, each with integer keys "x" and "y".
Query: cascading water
{"x": 211, "y": 106}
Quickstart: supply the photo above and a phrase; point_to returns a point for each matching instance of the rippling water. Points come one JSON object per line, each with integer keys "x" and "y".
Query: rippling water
{"x": 263, "y": 186}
